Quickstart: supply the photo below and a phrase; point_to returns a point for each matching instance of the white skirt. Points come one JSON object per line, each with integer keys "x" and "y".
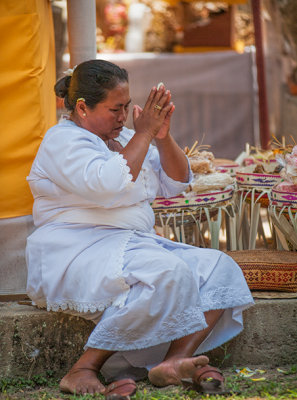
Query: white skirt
{"x": 171, "y": 286}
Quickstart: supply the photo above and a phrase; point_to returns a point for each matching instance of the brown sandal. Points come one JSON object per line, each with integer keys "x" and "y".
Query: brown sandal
{"x": 208, "y": 380}
{"x": 120, "y": 390}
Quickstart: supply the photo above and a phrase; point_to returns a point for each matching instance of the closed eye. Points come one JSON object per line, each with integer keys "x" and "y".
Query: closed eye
{"x": 126, "y": 107}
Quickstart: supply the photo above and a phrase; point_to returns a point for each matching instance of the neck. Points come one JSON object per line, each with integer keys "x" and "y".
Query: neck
{"x": 76, "y": 120}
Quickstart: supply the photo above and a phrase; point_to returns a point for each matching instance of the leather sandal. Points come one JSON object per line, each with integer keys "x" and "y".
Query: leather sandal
{"x": 207, "y": 380}
{"x": 120, "y": 390}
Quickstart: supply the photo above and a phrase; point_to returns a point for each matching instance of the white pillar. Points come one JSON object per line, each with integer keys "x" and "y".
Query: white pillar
{"x": 81, "y": 30}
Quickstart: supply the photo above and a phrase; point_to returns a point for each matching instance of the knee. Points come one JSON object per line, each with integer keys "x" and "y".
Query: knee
{"x": 177, "y": 273}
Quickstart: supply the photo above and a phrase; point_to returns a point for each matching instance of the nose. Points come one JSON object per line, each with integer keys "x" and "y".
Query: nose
{"x": 123, "y": 115}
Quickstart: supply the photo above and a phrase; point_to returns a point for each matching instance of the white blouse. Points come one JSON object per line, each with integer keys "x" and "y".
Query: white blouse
{"x": 75, "y": 170}
{"x": 86, "y": 208}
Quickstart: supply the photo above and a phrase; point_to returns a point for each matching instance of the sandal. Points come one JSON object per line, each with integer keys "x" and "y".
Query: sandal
{"x": 207, "y": 380}
{"x": 120, "y": 390}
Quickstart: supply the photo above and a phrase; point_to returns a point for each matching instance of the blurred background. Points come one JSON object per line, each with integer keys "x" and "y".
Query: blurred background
{"x": 205, "y": 52}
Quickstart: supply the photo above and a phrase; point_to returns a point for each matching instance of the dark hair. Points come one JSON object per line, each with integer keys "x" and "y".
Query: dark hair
{"x": 91, "y": 80}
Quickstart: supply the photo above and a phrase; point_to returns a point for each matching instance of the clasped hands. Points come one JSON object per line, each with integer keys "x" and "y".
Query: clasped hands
{"x": 154, "y": 118}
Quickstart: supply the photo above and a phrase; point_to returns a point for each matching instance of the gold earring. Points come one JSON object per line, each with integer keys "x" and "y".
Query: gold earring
{"x": 84, "y": 114}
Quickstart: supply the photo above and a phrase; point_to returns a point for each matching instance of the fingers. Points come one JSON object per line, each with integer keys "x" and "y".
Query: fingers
{"x": 164, "y": 105}
{"x": 149, "y": 103}
{"x": 156, "y": 114}
{"x": 166, "y": 112}
{"x": 136, "y": 112}
{"x": 162, "y": 97}
{"x": 170, "y": 112}
{"x": 158, "y": 99}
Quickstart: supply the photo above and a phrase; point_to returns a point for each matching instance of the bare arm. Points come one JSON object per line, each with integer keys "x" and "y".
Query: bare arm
{"x": 173, "y": 159}
{"x": 147, "y": 123}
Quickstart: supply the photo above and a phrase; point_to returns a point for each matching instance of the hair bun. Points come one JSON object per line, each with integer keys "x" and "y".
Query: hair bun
{"x": 61, "y": 87}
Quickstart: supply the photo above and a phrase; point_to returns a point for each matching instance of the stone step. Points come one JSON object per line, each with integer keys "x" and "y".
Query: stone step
{"x": 34, "y": 341}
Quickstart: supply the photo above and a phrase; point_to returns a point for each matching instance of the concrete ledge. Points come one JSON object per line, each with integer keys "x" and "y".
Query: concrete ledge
{"x": 269, "y": 336}
{"x": 33, "y": 341}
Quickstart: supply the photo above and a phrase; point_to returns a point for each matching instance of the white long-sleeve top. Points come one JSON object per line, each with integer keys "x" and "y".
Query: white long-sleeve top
{"x": 74, "y": 169}
{"x": 86, "y": 208}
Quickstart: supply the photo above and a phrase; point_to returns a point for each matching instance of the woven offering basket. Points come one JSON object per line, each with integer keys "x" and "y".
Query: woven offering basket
{"x": 268, "y": 269}
{"x": 183, "y": 214}
{"x": 192, "y": 200}
{"x": 282, "y": 198}
{"x": 247, "y": 179}
{"x": 226, "y": 166}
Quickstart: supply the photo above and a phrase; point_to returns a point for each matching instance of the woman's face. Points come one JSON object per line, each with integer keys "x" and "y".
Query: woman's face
{"x": 107, "y": 119}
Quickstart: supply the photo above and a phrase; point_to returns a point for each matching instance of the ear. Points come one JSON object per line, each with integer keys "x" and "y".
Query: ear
{"x": 81, "y": 108}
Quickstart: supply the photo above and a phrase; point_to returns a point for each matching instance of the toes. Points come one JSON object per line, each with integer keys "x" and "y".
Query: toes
{"x": 99, "y": 389}
{"x": 80, "y": 390}
{"x": 200, "y": 361}
{"x": 92, "y": 390}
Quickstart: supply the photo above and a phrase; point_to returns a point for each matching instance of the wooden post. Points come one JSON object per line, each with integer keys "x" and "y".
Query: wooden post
{"x": 262, "y": 93}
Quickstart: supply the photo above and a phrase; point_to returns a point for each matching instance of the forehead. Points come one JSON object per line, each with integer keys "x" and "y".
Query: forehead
{"x": 119, "y": 95}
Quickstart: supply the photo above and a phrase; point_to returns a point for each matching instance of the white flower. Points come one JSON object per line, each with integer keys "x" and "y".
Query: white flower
{"x": 70, "y": 71}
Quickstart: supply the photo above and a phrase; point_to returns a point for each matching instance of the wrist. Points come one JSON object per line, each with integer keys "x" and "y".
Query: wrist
{"x": 144, "y": 135}
{"x": 164, "y": 139}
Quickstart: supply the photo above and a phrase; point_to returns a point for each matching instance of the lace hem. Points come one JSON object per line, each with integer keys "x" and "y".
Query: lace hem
{"x": 79, "y": 306}
{"x": 125, "y": 170}
{"x": 224, "y": 297}
{"x": 116, "y": 338}
{"x": 220, "y": 298}
{"x": 189, "y": 321}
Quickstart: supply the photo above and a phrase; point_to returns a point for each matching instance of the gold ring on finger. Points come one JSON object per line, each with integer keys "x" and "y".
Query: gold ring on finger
{"x": 158, "y": 107}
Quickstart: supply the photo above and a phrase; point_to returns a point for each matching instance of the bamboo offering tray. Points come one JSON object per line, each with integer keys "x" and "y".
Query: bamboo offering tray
{"x": 282, "y": 198}
{"x": 193, "y": 200}
{"x": 184, "y": 217}
{"x": 283, "y": 213}
{"x": 255, "y": 183}
{"x": 246, "y": 178}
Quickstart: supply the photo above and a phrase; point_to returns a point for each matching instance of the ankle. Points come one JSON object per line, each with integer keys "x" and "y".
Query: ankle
{"x": 176, "y": 357}
{"x": 78, "y": 369}
{"x": 92, "y": 359}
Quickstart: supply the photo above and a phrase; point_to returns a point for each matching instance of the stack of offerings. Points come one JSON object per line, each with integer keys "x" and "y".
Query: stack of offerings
{"x": 283, "y": 202}
{"x": 285, "y": 192}
{"x": 209, "y": 186}
{"x": 202, "y": 206}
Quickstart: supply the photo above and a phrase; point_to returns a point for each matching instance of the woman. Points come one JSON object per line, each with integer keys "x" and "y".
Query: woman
{"x": 94, "y": 253}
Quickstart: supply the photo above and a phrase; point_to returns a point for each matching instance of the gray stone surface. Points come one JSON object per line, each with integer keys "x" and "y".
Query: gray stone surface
{"x": 269, "y": 336}
{"x": 13, "y": 270}
{"x": 34, "y": 341}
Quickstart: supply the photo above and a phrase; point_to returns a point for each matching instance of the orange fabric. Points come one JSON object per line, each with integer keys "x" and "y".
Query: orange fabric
{"x": 27, "y": 99}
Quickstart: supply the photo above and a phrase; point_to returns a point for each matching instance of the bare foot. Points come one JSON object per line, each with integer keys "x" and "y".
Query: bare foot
{"x": 81, "y": 381}
{"x": 171, "y": 371}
